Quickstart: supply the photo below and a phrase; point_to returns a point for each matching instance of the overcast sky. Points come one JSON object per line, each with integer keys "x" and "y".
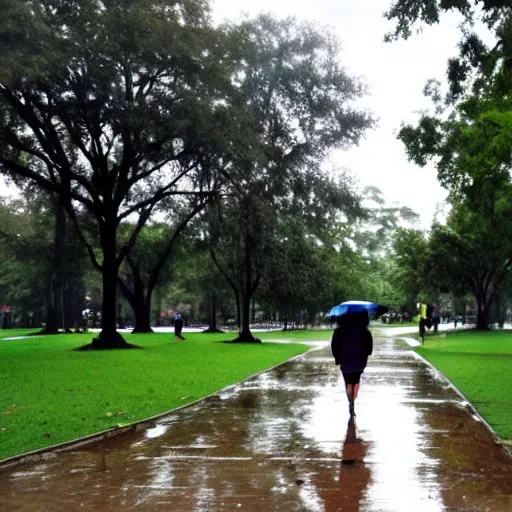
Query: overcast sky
{"x": 396, "y": 73}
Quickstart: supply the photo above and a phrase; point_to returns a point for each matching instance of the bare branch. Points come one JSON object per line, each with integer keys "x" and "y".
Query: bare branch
{"x": 125, "y": 250}
{"x": 88, "y": 246}
{"x": 167, "y": 251}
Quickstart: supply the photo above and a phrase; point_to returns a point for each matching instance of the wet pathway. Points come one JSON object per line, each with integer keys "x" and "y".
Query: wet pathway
{"x": 282, "y": 441}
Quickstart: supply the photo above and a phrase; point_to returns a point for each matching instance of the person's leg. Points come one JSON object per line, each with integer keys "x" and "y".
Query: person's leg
{"x": 350, "y": 396}
{"x": 422, "y": 329}
{"x": 356, "y": 389}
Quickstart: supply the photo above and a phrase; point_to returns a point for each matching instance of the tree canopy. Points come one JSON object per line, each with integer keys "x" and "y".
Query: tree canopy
{"x": 111, "y": 106}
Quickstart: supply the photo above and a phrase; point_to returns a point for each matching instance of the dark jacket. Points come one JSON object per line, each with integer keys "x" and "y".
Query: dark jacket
{"x": 351, "y": 345}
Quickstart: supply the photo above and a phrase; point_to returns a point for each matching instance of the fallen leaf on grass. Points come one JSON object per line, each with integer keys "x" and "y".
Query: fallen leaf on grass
{"x": 109, "y": 414}
{"x": 47, "y": 435}
{"x": 185, "y": 397}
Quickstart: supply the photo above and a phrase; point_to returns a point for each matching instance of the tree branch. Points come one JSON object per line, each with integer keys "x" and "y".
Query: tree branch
{"x": 88, "y": 246}
{"x": 125, "y": 250}
{"x": 167, "y": 251}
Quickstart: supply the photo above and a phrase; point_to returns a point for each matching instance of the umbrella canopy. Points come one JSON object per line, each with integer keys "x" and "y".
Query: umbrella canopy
{"x": 355, "y": 306}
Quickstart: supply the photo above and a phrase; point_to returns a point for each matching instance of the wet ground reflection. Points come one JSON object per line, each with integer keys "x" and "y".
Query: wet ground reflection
{"x": 283, "y": 441}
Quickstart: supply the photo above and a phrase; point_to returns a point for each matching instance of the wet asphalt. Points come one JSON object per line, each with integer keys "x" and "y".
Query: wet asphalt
{"x": 283, "y": 441}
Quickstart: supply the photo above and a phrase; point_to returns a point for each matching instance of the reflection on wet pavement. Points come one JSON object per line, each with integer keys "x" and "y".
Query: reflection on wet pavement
{"x": 283, "y": 441}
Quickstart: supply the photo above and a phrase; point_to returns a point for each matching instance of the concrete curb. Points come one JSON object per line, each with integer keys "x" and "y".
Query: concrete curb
{"x": 469, "y": 405}
{"x": 131, "y": 427}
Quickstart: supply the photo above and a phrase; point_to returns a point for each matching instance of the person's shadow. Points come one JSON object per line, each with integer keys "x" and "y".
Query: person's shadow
{"x": 354, "y": 449}
{"x": 354, "y": 473}
{"x": 345, "y": 487}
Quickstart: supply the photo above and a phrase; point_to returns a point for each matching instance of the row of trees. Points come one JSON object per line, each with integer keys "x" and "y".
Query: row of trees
{"x": 123, "y": 111}
{"x": 302, "y": 272}
{"x": 132, "y": 124}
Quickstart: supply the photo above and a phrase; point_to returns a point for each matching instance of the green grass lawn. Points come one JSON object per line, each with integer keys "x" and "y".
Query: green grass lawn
{"x": 296, "y": 335}
{"x": 380, "y": 325}
{"x": 480, "y": 365}
{"x": 12, "y": 333}
{"x": 52, "y": 393}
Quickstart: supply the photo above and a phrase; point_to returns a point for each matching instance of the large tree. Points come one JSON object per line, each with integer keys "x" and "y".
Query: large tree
{"x": 109, "y": 105}
{"x": 300, "y": 103}
{"x": 473, "y": 252}
{"x": 468, "y": 134}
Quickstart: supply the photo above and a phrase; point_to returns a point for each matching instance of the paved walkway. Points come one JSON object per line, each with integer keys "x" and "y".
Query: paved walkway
{"x": 282, "y": 441}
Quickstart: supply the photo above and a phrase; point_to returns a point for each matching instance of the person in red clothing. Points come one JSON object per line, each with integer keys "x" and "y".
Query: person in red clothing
{"x": 351, "y": 345}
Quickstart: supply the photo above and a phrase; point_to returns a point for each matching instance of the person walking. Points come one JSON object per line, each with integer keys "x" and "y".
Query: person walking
{"x": 351, "y": 345}
{"x": 178, "y": 326}
{"x": 422, "y": 310}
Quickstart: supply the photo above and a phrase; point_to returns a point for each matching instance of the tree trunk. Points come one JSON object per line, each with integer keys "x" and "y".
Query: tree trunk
{"x": 158, "y": 300}
{"x": 142, "y": 311}
{"x": 238, "y": 310}
{"x": 109, "y": 337}
{"x": 56, "y": 285}
{"x": 482, "y": 313}
{"x": 245, "y": 335}
{"x": 51, "y": 319}
{"x": 481, "y": 320}
{"x": 212, "y": 328}
{"x": 139, "y": 300}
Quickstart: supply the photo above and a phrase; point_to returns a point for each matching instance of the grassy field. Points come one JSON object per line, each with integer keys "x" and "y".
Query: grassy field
{"x": 296, "y": 335}
{"x": 12, "y": 333}
{"x": 380, "y": 325}
{"x": 52, "y": 393}
{"x": 480, "y": 365}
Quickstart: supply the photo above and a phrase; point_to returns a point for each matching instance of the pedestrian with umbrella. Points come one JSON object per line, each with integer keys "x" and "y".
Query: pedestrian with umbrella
{"x": 352, "y": 342}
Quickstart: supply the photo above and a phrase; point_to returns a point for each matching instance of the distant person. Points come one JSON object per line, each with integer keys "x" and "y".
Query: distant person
{"x": 455, "y": 322}
{"x": 178, "y": 326}
{"x": 422, "y": 309}
{"x": 351, "y": 345}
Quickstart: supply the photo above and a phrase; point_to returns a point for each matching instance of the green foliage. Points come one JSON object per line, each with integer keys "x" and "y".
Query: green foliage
{"x": 471, "y": 147}
{"x": 373, "y": 232}
{"x": 54, "y": 394}
{"x": 26, "y": 260}
{"x": 300, "y": 101}
{"x": 111, "y": 110}
{"x": 410, "y": 249}
{"x": 374, "y": 270}
{"x": 406, "y": 13}
{"x": 479, "y": 365}
{"x": 474, "y": 252}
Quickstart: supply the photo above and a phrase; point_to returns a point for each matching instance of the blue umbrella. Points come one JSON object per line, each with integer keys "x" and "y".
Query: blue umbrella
{"x": 355, "y": 306}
